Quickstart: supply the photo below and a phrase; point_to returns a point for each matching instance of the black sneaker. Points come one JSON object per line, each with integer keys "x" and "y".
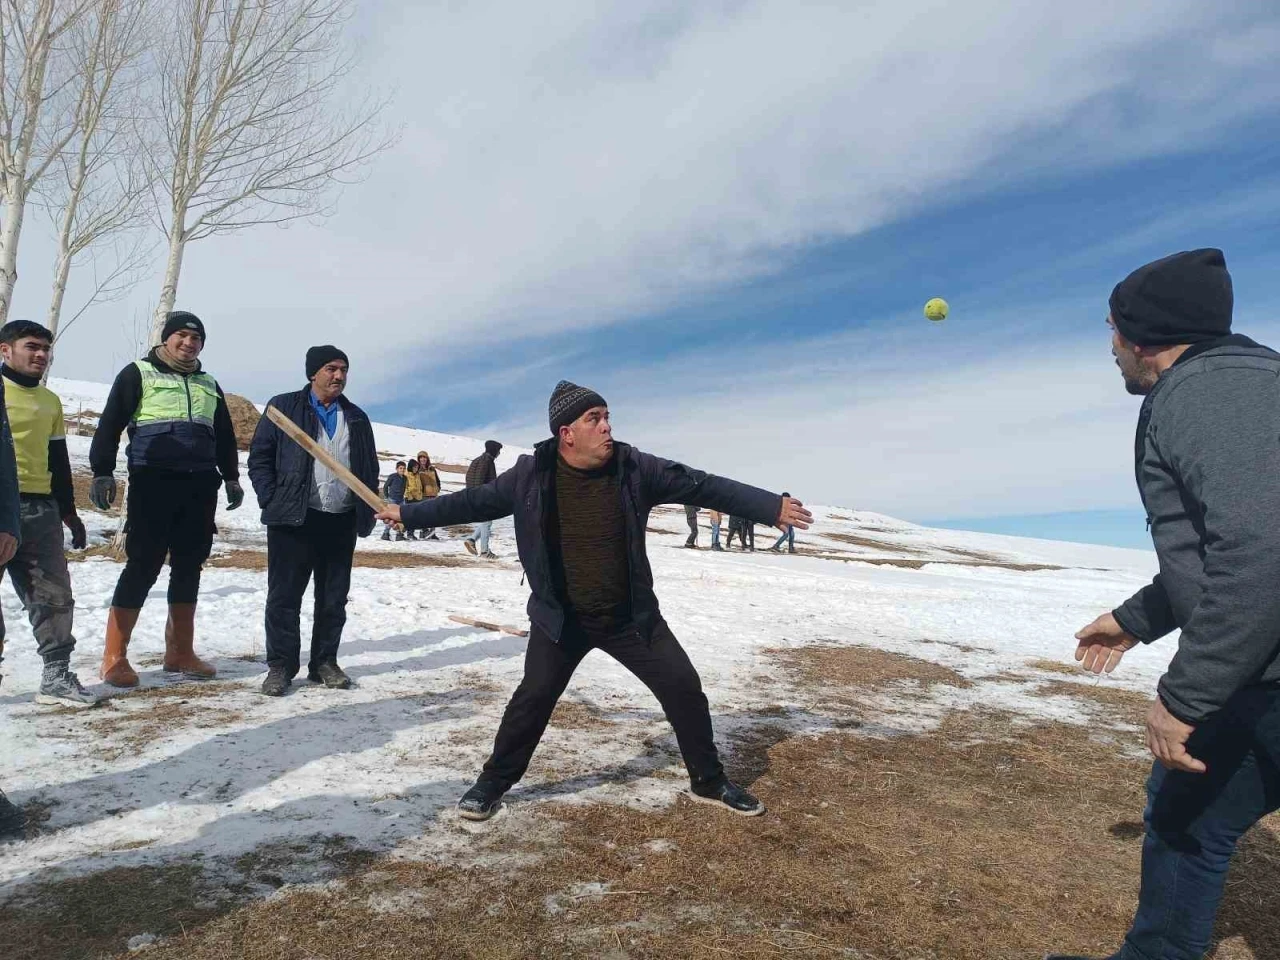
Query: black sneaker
{"x": 386, "y": 533}
{"x": 330, "y": 674}
{"x": 731, "y": 797}
{"x": 276, "y": 684}
{"x": 480, "y": 802}
{"x": 13, "y": 821}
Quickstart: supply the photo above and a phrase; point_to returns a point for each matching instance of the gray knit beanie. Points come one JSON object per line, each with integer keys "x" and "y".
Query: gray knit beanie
{"x": 568, "y": 402}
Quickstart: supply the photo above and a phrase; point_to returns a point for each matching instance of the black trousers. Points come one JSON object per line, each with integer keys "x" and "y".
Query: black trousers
{"x": 693, "y": 529}
{"x": 170, "y": 513}
{"x": 324, "y": 546}
{"x": 660, "y": 663}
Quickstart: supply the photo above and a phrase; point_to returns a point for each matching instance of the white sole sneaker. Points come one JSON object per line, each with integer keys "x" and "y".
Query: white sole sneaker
{"x": 713, "y": 802}
{"x": 50, "y": 700}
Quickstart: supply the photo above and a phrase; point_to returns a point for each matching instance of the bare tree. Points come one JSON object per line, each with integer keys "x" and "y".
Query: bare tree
{"x": 254, "y": 129}
{"x": 35, "y": 127}
{"x": 98, "y": 200}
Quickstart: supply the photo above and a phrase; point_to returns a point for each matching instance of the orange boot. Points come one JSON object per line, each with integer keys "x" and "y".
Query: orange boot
{"x": 179, "y": 640}
{"x": 115, "y": 667}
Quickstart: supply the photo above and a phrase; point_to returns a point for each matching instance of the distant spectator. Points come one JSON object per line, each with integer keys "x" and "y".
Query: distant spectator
{"x": 412, "y": 488}
{"x": 748, "y": 535}
{"x": 393, "y": 492}
{"x": 716, "y": 516}
{"x": 483, "y": 470}
{"x": 735, "y": 528}
{"x": 691, "y": 514}
{"x": 788, "y": 537}
{"x": 430, "y": 487}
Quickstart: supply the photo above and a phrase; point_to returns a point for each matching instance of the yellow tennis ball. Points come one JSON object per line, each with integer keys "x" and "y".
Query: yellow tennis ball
{"x": 936, "y": 309}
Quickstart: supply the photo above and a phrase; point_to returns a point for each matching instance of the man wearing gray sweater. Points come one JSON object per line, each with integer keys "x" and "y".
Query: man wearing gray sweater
{"x": 1208, "y": 469}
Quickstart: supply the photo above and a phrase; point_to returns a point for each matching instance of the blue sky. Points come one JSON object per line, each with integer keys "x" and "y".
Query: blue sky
{"x": 726, "y": 215}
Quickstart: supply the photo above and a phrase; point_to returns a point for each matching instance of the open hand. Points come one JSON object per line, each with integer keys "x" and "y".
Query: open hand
{"x": 793, "y": 514}
{"x": 1102, "y": 644}
{"x": 390, "y": 512}
{"x": 1167, "y": 739}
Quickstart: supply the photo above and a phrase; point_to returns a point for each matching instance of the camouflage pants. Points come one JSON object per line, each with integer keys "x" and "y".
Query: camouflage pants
{"x": 43, "y": 583}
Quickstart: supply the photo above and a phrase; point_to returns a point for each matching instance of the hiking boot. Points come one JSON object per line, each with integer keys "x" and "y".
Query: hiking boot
{"x": 277, "y": 683}
{"x": 13, "y": 821}
{"x": 60, "y": 686}
{"x": 480, "y": 802}
{"x": 330, "y": 674}
{"x": 470, "y": 545}
{"x": 179, "y": 644}
{"x": 730, "y": 796}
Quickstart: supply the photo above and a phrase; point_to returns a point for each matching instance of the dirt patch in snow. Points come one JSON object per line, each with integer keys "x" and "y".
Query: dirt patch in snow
{"x": 575, "y": 715}
{"x": 127, "y": 724}
{"x": 378, "y": 560}
{"x": 847, "y": 667}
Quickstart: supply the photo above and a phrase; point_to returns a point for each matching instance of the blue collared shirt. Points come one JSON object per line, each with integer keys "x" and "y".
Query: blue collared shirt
{"x": 328, "y": 415}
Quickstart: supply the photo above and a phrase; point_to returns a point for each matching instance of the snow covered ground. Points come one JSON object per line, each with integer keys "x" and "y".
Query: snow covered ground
{"x": 216, "y": 770}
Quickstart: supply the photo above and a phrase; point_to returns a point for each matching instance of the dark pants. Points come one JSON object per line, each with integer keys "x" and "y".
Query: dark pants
{"x": 748, "y": 535}
{"x": 692, "y": 517}
{"x": 323, "y": 545}
{"x": 660, "y": 663}
{"x": 41, "y": 579}
{"x": 1194, "y": 821}
{"x": 735, "y": 529}
{"x": 170, "y": 513}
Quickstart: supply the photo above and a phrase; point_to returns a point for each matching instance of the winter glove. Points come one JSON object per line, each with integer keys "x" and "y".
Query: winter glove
{"x": 235, "y": 494}
{"x": 102, "y": 494}
{"x": 79, "y": 537}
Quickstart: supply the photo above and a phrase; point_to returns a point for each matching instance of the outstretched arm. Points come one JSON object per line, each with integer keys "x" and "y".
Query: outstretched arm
{"x": 671, "y": 482}
{"x": 490, "y": 502}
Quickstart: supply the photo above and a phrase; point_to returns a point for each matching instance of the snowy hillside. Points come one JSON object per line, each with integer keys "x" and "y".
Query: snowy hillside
{"x": 217, "y": 771}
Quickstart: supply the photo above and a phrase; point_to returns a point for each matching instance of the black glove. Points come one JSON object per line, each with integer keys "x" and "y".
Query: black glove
{"x": 102, "y": 494}
{"x": 235, "y": 494}
{"x": 79, "y": 537}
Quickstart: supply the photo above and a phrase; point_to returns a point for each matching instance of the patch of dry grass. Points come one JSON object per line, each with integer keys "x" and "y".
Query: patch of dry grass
{"x": 850, "y": 667}
{"x": 118, "y": 728}
{"x": 379, "y": 560}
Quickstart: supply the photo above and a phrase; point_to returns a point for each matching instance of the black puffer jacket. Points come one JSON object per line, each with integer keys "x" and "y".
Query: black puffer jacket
{"x": 281, "y": 471}
{"x": 527, "y": 490}
{"x": 482, "y": 470}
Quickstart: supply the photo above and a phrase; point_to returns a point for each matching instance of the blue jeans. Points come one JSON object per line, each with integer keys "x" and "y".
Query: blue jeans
{"x": 715, "y": 533}
{"x": 482, "y": 536}
{"x": 787, "y": 534}
{"x": 1194, "y": 821}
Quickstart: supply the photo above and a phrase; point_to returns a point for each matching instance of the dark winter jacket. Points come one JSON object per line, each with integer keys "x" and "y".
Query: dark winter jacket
{"x": 482, "y": 470}
{"x": 10, "y": 505}
{"x": 189, "y": 454}
{"x": 1208, "y": 468}
{"x": 393, "y": 489}
{"x": 527, "y": 491}
{"x": 282, "y": 472}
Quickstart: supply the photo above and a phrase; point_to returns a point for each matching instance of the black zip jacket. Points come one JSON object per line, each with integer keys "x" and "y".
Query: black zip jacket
{"x": 122, "y": 404}
{"x": 281, "y": 471}
{"x": 527, "y": 491}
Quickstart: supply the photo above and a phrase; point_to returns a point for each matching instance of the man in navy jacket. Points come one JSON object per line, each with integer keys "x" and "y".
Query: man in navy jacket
{"x": 312, "y": 518}
{"x": 581, "y": 504}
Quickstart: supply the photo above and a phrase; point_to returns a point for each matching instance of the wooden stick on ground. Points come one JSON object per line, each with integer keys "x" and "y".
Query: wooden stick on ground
{"x": 300, "y": 437}
{"x": 486, "y": 625}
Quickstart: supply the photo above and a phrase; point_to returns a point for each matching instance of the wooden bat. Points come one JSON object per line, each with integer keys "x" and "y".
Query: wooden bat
{"x": 300, "y": 437}
{"x": 485, "y": 625}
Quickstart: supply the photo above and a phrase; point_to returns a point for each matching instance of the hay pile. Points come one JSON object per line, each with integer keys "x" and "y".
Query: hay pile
{"x": 244, "y": 417}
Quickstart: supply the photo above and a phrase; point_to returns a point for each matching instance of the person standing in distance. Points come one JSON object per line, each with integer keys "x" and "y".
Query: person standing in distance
{"x": 581, "y": 504}
{"x": 1208, "y": 471}
{"x": 312, "y": 518}
{"x": 182, "y": 448}
{"x": 483, "y": 469}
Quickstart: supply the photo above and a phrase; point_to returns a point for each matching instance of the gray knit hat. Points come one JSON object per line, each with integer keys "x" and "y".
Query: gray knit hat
{"x": 568, "y": 402}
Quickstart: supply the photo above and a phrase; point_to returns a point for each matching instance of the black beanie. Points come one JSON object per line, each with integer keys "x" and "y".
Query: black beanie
{"x": 492, "y": 448}
{"x": 568, "y": 402}
{"x": 181, "y": 320}
{"x": 1185, "y": 298}
{"x": 317, "y": 357}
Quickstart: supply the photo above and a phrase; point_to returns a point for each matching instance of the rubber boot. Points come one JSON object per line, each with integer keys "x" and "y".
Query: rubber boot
{"x": 115, "y": 668}
{"x": 179, "y": 639}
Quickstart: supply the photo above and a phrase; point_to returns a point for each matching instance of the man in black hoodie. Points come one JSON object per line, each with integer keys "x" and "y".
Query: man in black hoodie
{"x": 483, "y": 470}
{"x": 581, "y": 505}
{"x": 182, "y": 448}
{"x": 1208, "y": 469}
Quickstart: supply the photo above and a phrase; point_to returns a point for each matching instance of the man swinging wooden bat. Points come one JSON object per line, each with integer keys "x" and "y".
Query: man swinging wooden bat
{"x": 313, "y": 512}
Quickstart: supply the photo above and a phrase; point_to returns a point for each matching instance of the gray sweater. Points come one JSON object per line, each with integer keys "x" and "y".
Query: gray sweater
{"x": 1208, "y": 468}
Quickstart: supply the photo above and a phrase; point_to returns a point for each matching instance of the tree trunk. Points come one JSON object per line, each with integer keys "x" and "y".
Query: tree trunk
{"x": 61, "y": 271}
{"x": 169, "y": 289}
{"x": 14, "y": 209}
